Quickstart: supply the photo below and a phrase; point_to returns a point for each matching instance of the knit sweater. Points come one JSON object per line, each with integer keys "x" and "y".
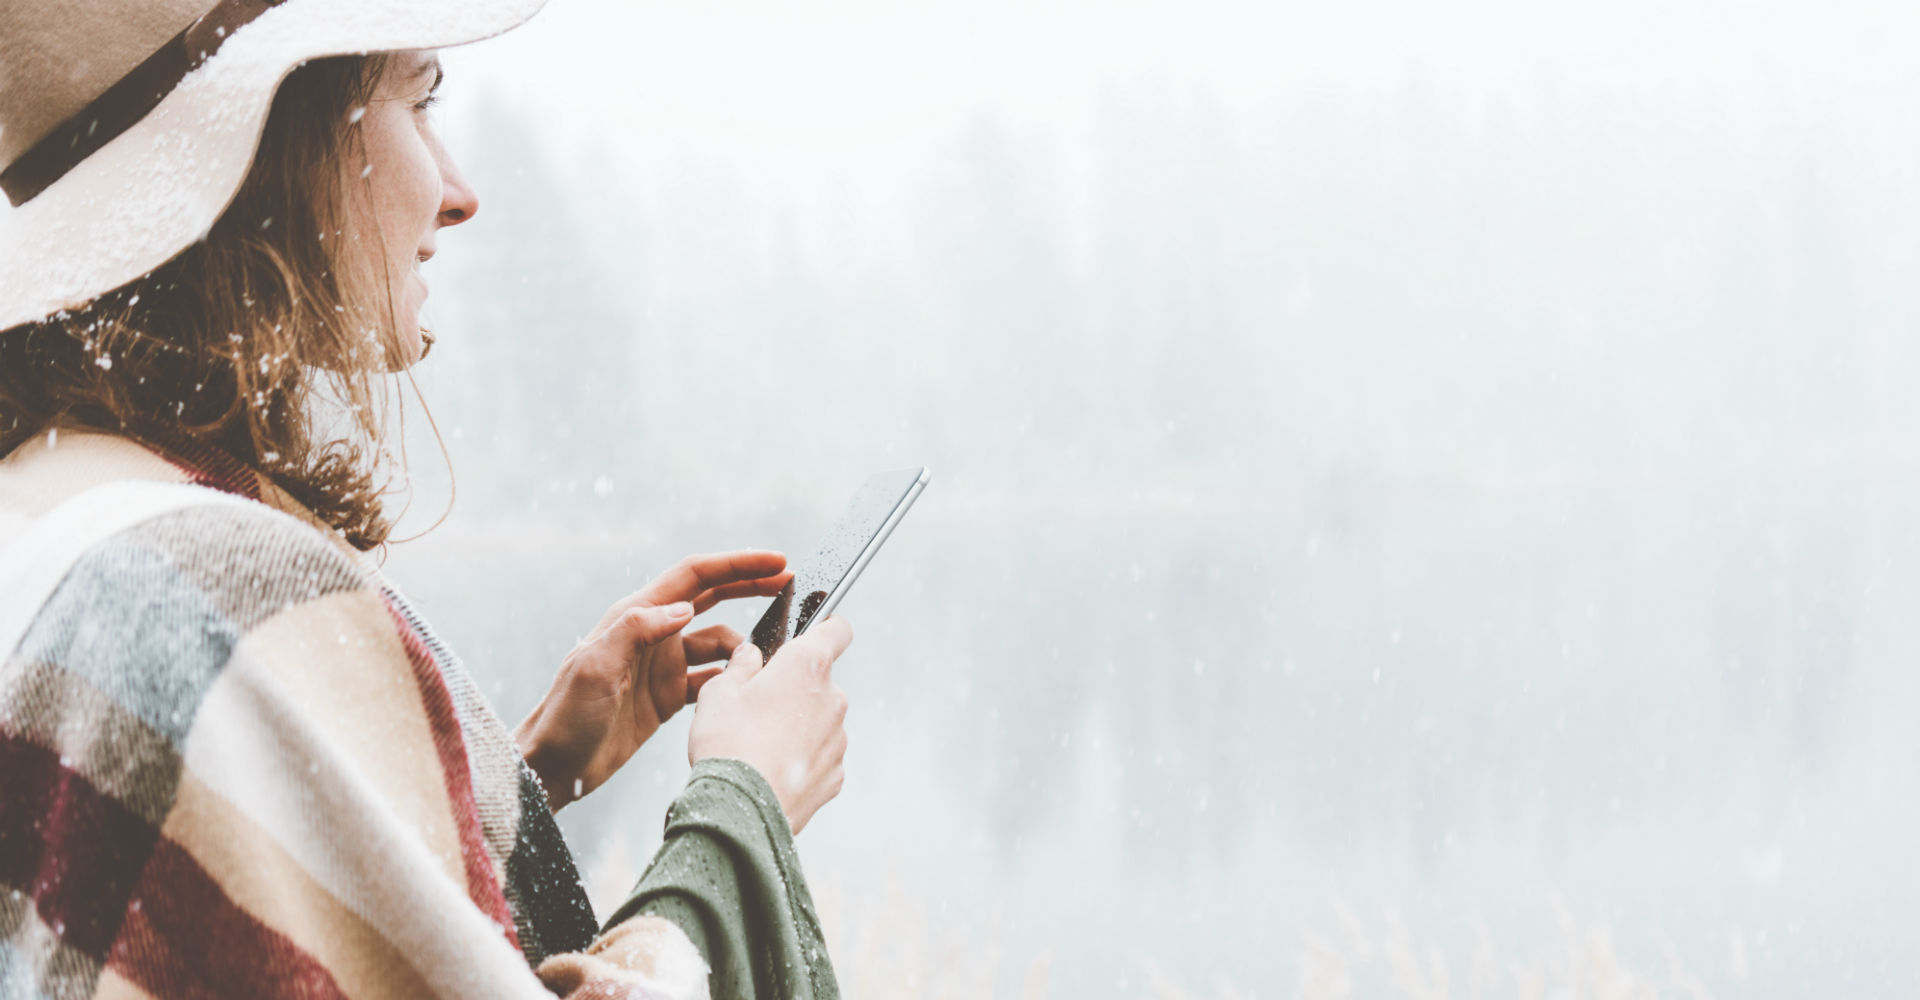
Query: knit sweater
{"x": 234, "y": 761}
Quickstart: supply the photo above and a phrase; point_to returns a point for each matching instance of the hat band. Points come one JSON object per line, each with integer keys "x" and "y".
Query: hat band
{"x": 130, "y": 99}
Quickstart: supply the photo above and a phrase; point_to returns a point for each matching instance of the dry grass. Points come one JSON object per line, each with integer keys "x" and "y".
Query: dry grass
{"x": 892, "y": 945}
{"x": 888, "y": 945}
{"x": 1384, "y": 960}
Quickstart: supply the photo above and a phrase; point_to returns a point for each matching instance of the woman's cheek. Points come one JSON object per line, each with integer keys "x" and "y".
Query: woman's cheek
{"x": 426, "y": 169}
{"x": 408, "y": 184}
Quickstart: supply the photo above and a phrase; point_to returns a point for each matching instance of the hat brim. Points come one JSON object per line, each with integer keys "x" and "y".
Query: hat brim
{"x": 160, "y": 186}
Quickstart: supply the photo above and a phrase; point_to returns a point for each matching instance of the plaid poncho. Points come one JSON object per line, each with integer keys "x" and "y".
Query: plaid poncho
{"x": 234, "y": 762}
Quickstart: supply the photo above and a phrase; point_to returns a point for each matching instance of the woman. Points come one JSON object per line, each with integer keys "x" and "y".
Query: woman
{"x": 233, "y": 760}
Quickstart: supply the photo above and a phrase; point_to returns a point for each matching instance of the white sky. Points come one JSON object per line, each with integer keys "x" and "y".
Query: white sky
{"x": 844, "y": 106}
{"x": 841, "y": 68}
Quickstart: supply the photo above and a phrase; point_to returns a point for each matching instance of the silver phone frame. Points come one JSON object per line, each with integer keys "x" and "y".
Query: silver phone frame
{"x": 866, "y": 552}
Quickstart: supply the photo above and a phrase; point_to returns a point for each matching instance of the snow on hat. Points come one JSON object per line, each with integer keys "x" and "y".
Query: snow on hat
{"x": 127, "y": 126}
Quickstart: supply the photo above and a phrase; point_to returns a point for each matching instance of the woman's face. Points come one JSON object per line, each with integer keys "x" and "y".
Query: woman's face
{"x": 413, "y": 186}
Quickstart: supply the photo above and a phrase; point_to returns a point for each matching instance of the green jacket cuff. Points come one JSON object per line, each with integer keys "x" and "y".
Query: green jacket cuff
{"x": 728, "y": 875}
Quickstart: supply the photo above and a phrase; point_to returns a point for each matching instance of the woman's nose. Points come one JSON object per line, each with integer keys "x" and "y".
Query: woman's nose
{"x": 458, "y": 201}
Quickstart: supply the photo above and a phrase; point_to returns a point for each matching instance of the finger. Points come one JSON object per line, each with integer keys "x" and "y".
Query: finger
{"x": 745, "y": 664}
{"x": 766, "y": 586}
{"x": 716, "y": 642}
{"x": 695, "y": 574}
{"x": 645, "y": 626}
{"x": 698, "y": 679}
{"x": 824, "y": 642}
{"x": 834, "y": 631}
{"x": 684, "y": 581}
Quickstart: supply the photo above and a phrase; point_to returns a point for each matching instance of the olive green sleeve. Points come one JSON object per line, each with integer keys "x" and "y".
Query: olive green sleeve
{"x": 727, "y": 874}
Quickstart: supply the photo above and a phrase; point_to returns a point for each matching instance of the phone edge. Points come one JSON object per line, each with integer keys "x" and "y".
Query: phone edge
{"x": 872, "y": 547}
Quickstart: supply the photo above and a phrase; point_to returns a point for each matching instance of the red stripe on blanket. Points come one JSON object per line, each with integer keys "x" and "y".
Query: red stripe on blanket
{"x": 110, "y": 887}
{"x": 615, "y": 989}
{"x": 75, "y": 851}
{"x": 184, "y": 937}
{"x": 482, "y": 886}
{"x": 207, "y": 465}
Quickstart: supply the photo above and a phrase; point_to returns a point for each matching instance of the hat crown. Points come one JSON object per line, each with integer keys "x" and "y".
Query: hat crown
{"x": 56, "y": 57}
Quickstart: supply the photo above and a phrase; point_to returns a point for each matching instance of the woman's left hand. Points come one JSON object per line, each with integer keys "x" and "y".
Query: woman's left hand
{"x": 630, "y": 675}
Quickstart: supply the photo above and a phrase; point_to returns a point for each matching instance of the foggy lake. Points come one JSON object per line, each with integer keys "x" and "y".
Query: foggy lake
{"x": 1424, "y": 504}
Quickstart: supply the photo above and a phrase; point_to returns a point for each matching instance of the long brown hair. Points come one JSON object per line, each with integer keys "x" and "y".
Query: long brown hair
{"x": 268, "y": 340}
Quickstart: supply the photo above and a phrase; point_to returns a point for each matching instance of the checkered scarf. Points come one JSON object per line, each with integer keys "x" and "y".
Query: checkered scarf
{"x": 235, "y": 762}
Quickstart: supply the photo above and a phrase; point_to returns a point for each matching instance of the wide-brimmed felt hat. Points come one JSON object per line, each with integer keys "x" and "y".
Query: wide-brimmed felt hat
{"x": 127, "y": 126}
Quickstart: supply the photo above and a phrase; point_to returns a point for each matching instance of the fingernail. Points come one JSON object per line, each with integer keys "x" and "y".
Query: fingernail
{"x": 679, "y": 609}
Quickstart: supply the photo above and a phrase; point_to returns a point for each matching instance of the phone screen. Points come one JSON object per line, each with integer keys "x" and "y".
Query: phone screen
{"x": 823, "y": 578}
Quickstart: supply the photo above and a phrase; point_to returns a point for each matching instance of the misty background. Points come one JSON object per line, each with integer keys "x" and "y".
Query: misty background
{"x": 1424, "y": 495}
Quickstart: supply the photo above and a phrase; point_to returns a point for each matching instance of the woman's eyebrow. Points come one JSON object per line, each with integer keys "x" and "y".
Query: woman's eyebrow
{"x": 431, "y": 66}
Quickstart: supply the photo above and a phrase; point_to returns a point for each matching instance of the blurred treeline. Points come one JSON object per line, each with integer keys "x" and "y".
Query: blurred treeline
{"x": 1399, "y": 479}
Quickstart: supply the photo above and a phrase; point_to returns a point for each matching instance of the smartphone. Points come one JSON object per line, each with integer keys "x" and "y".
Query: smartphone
{"x": 825, "y": 577}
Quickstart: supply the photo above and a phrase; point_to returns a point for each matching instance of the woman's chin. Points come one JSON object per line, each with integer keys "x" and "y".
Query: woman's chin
{"x": 413, "y": 344}
{"x": 407, "y": 344}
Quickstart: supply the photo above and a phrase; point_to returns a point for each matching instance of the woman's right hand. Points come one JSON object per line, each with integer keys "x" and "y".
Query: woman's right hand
{"x": 787, "y": 719}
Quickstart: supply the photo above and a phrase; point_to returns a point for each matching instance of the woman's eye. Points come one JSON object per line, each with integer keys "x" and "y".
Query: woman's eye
{"x": 430, "y": 101}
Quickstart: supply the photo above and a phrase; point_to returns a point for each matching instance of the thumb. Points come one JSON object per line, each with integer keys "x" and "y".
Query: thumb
{"x": 697, "y": 679}
{"x": 648, "y": 625}
{"x": 746, "y": 663}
